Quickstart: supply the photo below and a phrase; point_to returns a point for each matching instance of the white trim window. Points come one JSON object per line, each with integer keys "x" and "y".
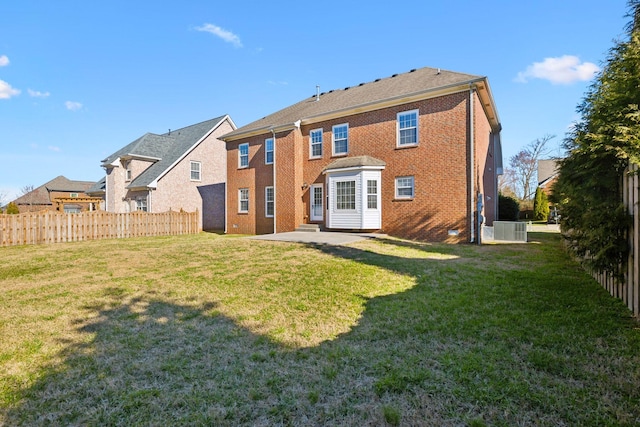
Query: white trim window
{"x": 408, "y": 128}
{"x": 268, "y": 151}
{"x": 340, "y": 136}
{"x": 315, "y": 144}
{"x": 128, "y": 173}
{"x": 243, "y": 200}
{"x": 243, "y": 155}
{"x": 345, "y": 195}
{"x": 372, "y": 194}
{"x": 268, "y": 202}
{"x": 141, "y": 204}
{"x": 405, "y": 187}
{"x": 196, "y": 168}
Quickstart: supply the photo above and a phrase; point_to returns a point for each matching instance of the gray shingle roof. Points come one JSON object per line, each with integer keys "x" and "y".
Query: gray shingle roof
{"x": 361, "y": 95}
{"x": 352, "y": 162}
{"x": 167, "y": 148}
{"x": 98, "y": 188}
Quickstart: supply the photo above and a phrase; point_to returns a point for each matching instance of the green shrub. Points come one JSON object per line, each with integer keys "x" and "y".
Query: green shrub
{"x": 12, "y": 209}
{"x": 508, "y": 208}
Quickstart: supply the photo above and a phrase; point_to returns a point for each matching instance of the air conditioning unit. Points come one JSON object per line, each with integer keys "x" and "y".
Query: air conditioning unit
{"x": 511, "y": 231}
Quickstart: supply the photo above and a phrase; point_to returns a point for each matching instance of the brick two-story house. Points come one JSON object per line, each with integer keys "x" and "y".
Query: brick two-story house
{"x": 183, "y": 169}
{"x": 415, "y": 155}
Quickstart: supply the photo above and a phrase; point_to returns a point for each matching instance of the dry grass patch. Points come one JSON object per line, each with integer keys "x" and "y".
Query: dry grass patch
{"x": 215, "y": 330}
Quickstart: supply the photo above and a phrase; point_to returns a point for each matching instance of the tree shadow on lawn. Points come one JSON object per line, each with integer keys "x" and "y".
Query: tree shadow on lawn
{"x": 451, "y": 350}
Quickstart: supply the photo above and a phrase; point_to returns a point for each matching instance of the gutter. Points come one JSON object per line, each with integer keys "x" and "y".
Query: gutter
{"x": 273, "y": 165}
{"x": 472, "y": 163}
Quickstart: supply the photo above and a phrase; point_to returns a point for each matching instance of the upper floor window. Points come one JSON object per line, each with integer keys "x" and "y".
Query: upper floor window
{"x": 340, "y": 139}
{"x": 128, "y": 171}
{"x": 195, "y": 171}
{"x": 243, "y": 155}
{"x": 404, "y": 187}
{"x": 315, "y": 141}
{"x": 408, "y": 128}
{"x": 243, "y": 200}
{"x": 268, "y": 151}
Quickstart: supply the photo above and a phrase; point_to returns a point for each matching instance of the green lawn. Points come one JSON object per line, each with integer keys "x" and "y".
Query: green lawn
{"x": 218, "y": 330}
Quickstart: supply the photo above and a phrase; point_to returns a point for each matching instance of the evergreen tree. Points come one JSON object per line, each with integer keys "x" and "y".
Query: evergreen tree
{"x": 508, "y": 208}
{"x": 602, "y": 144}
{"x": 12, "y": 208}
{"x": 540, "y": 205}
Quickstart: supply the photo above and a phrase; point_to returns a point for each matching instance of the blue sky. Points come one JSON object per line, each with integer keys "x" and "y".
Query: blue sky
{"x": 81, "y": 79}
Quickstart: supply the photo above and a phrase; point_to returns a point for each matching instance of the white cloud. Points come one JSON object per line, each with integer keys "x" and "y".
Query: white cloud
{"x": 53, "y": 148}
{"x": 37, "y": 94}
{"x": 6, "y": 91}
{"x": 4, "y": 60}
{"x": 565, "y": 69}
{"x": 225, "y": 35}
{"x": 73, "y": 106}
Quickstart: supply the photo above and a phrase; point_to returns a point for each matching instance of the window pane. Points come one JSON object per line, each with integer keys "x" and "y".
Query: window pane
{"x": 244, "y": 155}
{"x": 269, "y": 201}
{"x": 346, "y": 195}
{"x": 341, "y": 139}
{"x": 372, "y": 194}
{"x": 404, "y": 187}
{"x": 268, "y": 158}
{"x": 316, "y": 143}
{"x": 244, "y": 200}
{"x": 408, "y": 128}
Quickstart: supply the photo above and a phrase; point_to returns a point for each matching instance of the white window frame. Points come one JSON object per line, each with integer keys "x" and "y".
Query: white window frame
{"x": 268, "y": 151}
{"x": 313, "y": 143}
{"x": 333, "y": 140}
{"x": 141, "y": 204}
{"x": 268, "y": 202}
{"x": 401, "y": 183}
{"x": 352, "y": 197}
{"x": 399, "y": 142}
{"x": 198, "y": 171}
{"x": 243, "y": 156}
{"x": 242, "y": 192}
{"x": 372, "y": 196}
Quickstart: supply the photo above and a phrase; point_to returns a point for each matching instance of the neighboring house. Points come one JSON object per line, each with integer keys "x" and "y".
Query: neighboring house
{"x": 411, "y": 155}
{"x": 97, "y": 190}
{"x": 547, "y": 174}
{"x": 59, "y": 194}
{"x": 183, "y": 169}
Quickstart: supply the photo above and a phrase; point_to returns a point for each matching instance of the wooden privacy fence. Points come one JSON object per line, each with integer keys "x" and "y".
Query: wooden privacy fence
{"x": 628, "y": 288}
{"x": 57, "y": 227}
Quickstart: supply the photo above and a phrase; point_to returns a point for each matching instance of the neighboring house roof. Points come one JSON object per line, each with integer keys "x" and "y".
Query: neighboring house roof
{"x": 398, "y": 89}
{"x": 99, "y": 188}
{"x": 164, "y": 150}
{"x": 547, "y": 170}
{"x": 40, "y": 195}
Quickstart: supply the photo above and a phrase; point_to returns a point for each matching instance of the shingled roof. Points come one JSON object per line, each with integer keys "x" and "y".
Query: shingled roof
{"x": 163, "y": 149}
{"x": 380, "y": 93}
{"x": 40, "y": 195}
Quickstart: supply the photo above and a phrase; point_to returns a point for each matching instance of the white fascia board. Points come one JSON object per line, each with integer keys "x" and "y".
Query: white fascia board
{"x": 354, "y": 168}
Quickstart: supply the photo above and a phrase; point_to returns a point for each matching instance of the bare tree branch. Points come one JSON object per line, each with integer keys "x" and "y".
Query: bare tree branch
{"x": 524, "y": 166}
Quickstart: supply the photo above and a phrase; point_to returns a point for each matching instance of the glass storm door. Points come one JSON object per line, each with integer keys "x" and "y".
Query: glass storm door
{"x": 316, "y": 202}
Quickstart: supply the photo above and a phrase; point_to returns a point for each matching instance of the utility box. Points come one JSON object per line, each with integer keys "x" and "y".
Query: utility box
{"x": 510, "y": 231}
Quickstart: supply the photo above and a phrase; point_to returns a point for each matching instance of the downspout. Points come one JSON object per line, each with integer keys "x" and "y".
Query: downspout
{"x": 273, "y": 165}
{"x": 472, "y": 163}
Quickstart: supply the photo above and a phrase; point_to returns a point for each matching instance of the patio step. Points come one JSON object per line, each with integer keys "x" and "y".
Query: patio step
{"x": 308, "y": 227}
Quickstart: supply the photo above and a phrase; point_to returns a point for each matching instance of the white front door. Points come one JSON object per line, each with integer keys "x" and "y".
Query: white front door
{"x": 316, "y": 202}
